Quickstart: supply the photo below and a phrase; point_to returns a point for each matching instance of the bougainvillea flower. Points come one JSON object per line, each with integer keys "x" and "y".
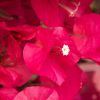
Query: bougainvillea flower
{"x": 86, "y": 36}
{"x": 53, "y": 55}
{"x": 37, "y": 93}
{"x": 45, "y": 48}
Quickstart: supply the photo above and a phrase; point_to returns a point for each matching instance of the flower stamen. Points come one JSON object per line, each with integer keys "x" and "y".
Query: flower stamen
{"x": 65, "y": 50}
{"x": 72, "y": 12}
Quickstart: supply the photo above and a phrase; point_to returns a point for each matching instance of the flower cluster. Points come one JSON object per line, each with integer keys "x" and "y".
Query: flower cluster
{"x": 41, "y": 43}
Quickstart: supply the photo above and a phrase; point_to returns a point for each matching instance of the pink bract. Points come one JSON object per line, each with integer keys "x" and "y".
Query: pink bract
{"x": 86, "y": 36}
{"x": 7, "y": 93}
{"x": 37, "y": 93}
{"x": 48, "y": 12}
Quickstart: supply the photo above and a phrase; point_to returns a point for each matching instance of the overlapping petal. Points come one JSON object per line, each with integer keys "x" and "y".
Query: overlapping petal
{"x": 7, "y": 93}
{"x": 22, "y": 32}
{"x": 48, "y": 12}
{"x": 86, "y": 36}
{"x": 17, "y": 12}
{"x": 37, "y": 93}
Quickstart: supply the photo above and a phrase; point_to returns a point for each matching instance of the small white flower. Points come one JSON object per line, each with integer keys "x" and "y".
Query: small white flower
{"x": 65, "y": 50}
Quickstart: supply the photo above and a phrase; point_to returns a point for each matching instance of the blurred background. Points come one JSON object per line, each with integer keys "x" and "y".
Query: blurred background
{"x": 91, "y": 87}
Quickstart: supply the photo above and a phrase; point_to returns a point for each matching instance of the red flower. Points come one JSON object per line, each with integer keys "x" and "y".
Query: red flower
{"x": 54, "y": 55}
